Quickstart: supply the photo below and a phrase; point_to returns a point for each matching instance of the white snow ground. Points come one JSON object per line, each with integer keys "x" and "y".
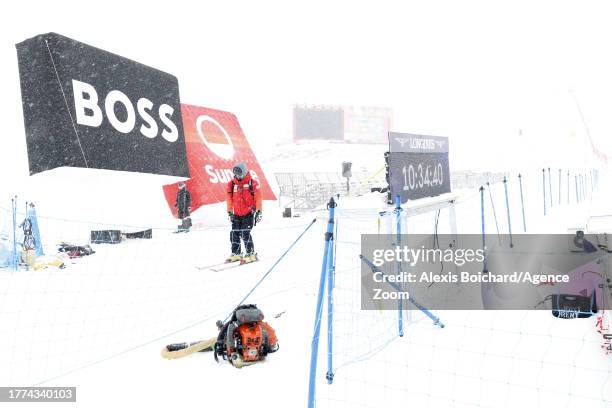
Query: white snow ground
{"x": 101, "y": 323}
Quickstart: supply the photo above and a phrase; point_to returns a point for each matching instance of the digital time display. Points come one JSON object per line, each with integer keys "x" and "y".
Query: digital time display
{"x": 418, "y": 166}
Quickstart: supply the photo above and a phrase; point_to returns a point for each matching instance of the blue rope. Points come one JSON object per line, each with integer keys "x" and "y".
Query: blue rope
{"x": 494, "y": 213}
{"x": 550, "y": 187}
{"x": 522, "y": 203}
{"x": 271, "y": 268}
{"x": 508, "y": 210}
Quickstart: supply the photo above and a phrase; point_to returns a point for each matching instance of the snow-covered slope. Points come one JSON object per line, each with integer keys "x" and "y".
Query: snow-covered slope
{"x": 100, "y": 323}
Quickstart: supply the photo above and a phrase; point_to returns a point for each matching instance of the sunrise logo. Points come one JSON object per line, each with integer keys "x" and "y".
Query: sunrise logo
{"x": 215, "y": 137}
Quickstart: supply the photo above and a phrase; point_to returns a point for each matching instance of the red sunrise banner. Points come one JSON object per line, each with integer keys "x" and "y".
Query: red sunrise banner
{"x": 215, "y": 143}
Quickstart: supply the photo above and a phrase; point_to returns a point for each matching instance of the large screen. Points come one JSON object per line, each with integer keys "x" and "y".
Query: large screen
{"x": 318, "y": 123}
{"x": 367, "y": 124}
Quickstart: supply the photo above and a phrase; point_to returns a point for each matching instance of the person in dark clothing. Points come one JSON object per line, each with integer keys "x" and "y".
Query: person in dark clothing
{"x": 183, "y": 204}
{"x": 244, "y": 208}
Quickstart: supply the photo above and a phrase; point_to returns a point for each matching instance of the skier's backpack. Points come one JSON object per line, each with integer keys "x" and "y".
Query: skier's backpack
{"x": 251, "y": 190}
{"x": 245, "y": 338}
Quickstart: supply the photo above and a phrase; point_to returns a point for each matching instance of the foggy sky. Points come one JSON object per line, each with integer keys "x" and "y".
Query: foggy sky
{"x": 493, "y": 76}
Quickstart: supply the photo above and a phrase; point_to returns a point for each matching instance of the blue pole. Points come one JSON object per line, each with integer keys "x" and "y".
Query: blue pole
{"x": 318, "y": 314}
{"x": 522, "y": 203}
{"x": 31, "y": 214}
{"x": 482, "y": 222}
{"x": 14, "y": 208}
{"x": 568, "y": 187}
{"x": 331, "y": 271}
{"x": 398, "y": 231}
{"x": 550, "y": 187}
{"x": 544, "y": 188}
{"x": 508, "y": 211}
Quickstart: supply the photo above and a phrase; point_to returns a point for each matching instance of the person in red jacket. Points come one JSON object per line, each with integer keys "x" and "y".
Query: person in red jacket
{"x": 244, "y": 208}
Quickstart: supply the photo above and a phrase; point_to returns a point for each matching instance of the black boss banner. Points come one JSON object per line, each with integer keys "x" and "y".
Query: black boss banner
{"x": 85, "y": 107}
{"x": 418, "y": 166}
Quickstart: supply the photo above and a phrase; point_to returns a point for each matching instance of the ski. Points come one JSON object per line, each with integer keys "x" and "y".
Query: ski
{"x": 220, "y": 264}
{"x": 225, "y": 267}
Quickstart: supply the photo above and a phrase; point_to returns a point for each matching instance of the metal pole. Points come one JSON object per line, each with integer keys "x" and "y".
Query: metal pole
{"x": 397, "y": 287}
{"x": 398, "y": 230}
{"x": 318, "y": 314}
{"x": 331, "y": 271}
{"x": 559, "y": 186}
{"x": 568, "y": 187}
{"x": 522, "y": 203}
{"x": 576, "y": 180}
{"x": 14, "y": 208}
{"x": 482, "y": 222}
